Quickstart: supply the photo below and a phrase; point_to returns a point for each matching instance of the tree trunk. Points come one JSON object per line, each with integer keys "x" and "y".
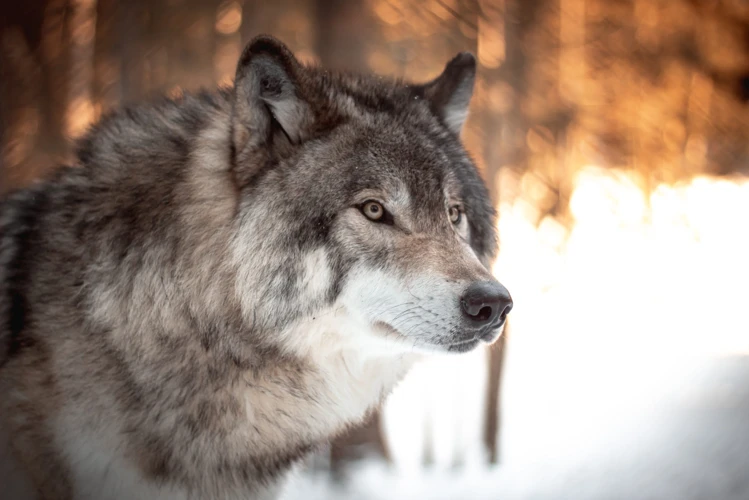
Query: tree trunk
{"x": 504, "y": 143}
{"x": 360, "y": 442}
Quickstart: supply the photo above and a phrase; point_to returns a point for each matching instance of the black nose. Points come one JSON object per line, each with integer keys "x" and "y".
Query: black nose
{"x": 486, "y": 303}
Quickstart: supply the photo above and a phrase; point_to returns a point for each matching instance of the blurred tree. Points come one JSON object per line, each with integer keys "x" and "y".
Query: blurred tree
{"x": 348, "y": 20}
{"x": 132, "y": 46}
{"x": 504, "y": 31}
{"x": 107, "y": 90}
{"x": 35, "y": 39}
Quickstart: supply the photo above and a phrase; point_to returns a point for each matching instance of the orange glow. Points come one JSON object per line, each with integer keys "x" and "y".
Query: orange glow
{"x": 388, "y": 13}
{"x": 229, "y": 18}
{"x": 225, "y": 59}
{"x": 81, "y": 114}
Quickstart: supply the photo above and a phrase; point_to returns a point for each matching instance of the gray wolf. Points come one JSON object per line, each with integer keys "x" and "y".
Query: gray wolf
{"x": 223, "y": 281}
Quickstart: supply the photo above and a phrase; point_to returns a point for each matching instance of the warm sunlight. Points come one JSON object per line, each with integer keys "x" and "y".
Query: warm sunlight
{"x": 205, "y": 239}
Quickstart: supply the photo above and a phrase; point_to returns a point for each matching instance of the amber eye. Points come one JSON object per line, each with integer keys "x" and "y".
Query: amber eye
{"x": 373, "y": 210}
{"x": 455, "y": 214}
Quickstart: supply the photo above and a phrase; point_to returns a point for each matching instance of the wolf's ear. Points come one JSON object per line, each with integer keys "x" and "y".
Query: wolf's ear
{"x": 450, "y": 93}
{"x": 267, "y": 95}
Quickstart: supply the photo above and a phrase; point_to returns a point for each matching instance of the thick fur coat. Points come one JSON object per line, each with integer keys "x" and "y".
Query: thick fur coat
{"x": 223, "y": 281}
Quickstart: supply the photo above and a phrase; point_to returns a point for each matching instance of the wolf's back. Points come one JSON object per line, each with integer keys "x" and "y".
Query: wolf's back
{"x": 128, "y": 170}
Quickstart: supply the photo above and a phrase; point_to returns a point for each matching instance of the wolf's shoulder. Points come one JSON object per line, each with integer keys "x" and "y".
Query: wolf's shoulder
{"x": 153, "y": 133}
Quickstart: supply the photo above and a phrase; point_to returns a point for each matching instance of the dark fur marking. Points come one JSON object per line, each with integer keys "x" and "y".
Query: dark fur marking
{"x": 24, "y": 234}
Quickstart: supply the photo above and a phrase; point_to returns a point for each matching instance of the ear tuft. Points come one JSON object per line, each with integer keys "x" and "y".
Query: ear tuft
{"x": 265, "y": 44}
{"x": 270, "y": 48}
{"x": 450, "y": 93}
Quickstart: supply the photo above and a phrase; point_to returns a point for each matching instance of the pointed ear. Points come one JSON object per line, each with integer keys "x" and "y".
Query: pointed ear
{"x": 450, "y": 93}
{"x": 267, "y": 95}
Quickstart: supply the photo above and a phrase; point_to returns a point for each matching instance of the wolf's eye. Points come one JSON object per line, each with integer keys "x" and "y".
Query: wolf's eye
{"x": 373, "y": 210}
{"x": 455, "y": 214}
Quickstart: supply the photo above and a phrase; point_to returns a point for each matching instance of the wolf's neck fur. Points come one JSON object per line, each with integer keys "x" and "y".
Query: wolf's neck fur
{"x": 332, "y": 387}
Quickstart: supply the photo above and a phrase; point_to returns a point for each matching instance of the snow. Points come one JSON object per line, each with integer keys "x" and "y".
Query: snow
{"x": 690, "y": 444}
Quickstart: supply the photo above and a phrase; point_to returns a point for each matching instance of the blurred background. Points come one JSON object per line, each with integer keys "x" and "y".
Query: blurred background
{"x": 613, "y": 137}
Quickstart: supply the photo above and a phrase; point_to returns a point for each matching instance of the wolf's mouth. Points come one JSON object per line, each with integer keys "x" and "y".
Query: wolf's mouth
{"x": 488, "y": 336}
{"x": 491, "y": 335}
{"x": 463, "y": 345}
{"x": 469, "y": 341}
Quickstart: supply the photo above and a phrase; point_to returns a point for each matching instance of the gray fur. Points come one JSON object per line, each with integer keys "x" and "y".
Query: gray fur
{"x": 176, "y": 305}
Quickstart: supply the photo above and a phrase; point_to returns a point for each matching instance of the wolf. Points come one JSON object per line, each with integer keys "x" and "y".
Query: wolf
{"x": 223, "y": 281}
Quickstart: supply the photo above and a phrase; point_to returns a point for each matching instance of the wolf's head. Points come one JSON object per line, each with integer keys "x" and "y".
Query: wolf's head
{"x": 362, "y": 218}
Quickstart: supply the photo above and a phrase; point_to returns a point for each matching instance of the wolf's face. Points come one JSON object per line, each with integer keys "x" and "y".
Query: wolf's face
{"x": 405, "y": 226}
{"x": 370, "y": 217}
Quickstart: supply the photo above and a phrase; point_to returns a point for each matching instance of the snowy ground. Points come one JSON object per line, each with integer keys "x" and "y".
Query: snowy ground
{"x": 692, "y": 443}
